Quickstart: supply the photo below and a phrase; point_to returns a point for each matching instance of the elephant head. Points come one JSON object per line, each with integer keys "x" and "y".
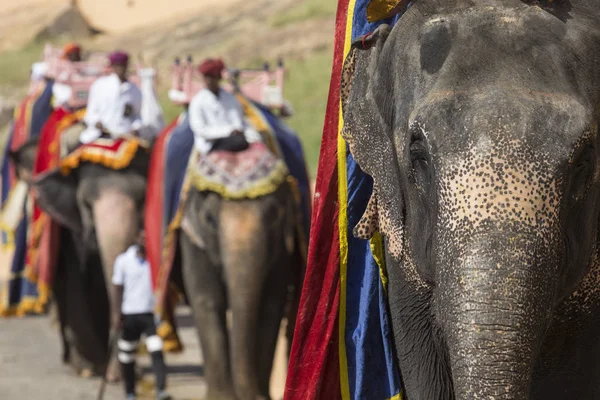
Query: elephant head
{"x": 23, "y": 159}
{"x": 478, "y": 122}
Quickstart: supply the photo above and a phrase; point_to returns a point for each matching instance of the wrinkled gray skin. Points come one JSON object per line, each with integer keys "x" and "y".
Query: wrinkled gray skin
{"x": 240, "y": 256}
{"x": 478, "y": 121}
{"x": 102, "y": 207}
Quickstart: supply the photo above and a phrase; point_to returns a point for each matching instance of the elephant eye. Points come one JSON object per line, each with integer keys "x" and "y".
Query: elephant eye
{"x": 582, "y": 173}
{"x": 421, "y": 162}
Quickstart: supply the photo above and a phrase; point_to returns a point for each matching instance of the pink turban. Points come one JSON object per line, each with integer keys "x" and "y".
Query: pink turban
{"x": 212, "y": 67}
{"x": 118, "y": 58}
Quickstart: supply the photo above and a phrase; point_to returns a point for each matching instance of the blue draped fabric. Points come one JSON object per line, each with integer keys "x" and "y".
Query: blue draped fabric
{"x": 179, "y": 147}
{"x": 372, "y": 370}
{"x": 293, "y": 155}
{"x": 42, "y": 108}
{"x": 6, "y": 183}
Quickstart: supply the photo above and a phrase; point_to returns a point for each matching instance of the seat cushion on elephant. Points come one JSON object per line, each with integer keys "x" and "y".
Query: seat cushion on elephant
{"x": 111, "y": 153}
{"x": 251, "y": 173}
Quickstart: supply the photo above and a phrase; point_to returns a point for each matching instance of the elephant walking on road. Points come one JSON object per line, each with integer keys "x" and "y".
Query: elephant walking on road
{"x": 242, "y": 256}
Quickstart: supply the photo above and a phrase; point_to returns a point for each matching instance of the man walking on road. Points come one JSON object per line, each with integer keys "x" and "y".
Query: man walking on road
{"x": 133, "y": 307}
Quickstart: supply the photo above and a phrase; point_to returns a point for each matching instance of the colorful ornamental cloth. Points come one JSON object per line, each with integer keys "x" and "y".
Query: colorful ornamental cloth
{"x": 110, "y": 153}
{"x": 32, "y": 273}
{"x": 251, "y": 173}
{"x": 18, "y": 295}
{"x": 343, "y": 345}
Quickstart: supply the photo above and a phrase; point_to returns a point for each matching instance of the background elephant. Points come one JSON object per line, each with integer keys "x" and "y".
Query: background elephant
{"x": 478, "y": 122}
{"x": 102, "y": 210}
{"x": 240, "y": 256}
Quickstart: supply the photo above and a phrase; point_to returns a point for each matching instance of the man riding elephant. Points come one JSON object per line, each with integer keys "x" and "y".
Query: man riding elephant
{"x": 72, "y": 52}
{"x": 216, "y": 116}
{"x": 114, "y": 103}
{"x": 241, "y": 238}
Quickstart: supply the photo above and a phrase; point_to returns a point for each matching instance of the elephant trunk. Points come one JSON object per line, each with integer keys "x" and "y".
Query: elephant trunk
{"x": 494, "y": 303}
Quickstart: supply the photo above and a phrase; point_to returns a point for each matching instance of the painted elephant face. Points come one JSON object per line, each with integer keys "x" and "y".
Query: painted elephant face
{"x": 479, "y": 126}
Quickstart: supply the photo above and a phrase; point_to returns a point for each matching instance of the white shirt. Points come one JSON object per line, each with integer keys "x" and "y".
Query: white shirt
{"x": 133, "y": 273}
{"x": 213, "y": 117}
{"x": 107, "y": 99}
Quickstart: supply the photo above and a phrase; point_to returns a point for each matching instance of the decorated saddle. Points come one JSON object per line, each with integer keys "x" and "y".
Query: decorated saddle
{"x": 113, "y": 153}
{"x": 250, "y": 173}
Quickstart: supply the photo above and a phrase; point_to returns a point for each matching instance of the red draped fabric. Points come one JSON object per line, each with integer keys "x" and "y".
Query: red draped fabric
{"x": 154, "y": 204}
{"x": 42, "y": 248}
{"x": 314, "y": 361}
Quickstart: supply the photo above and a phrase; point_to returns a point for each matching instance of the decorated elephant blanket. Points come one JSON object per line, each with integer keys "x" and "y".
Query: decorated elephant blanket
{"x": 174, "y": 167}
{"x": 113, "y": 153}
{"x": 245, "y": 174}
{"x": 30, "y": 116}
{"x": 342, "y": 345}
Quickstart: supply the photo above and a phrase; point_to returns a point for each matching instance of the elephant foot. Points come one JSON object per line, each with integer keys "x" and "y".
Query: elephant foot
{"x": 86, "y": 373}
{"x": 113, "y": 373}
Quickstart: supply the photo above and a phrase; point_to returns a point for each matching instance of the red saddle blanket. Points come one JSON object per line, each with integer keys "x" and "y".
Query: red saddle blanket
{"x": 250, "y": 173}
{"x": 111, "y": 153}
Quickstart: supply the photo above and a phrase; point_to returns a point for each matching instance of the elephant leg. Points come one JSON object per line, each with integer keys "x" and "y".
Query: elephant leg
{"x": 60, "y": 312}
{"x": 87, "y": 216}
{"x": 117, "y": 222}
{"x": 83, "y": 348}
{"x": 207, "y": 297}
{"x": 271, "y": 313}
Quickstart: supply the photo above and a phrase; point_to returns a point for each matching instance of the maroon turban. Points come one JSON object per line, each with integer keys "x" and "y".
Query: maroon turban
{"x": 212, "y": 67}
{"x": 118, "y": 58}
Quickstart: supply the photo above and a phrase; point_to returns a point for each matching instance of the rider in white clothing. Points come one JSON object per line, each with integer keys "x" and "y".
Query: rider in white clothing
{"x": 114, "y": 103}
{"x": 216, "y": 114}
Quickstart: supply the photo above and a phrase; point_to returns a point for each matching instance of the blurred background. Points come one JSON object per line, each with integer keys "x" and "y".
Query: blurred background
{"x": 245, "y": 33}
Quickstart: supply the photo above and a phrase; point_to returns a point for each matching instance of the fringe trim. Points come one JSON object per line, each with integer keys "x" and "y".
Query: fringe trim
{"x": 260, "y": 188}
{"x": 119, "y": 159}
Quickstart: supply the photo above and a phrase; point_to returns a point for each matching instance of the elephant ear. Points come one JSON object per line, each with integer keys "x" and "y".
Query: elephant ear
{"x": 367, "y": 106}
{"x": 56, "y": 194}
{"x": 23, "y": 159}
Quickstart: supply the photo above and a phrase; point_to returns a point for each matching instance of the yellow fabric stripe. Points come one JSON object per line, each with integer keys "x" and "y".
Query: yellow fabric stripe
{"x": 376, "y": 244}
{"x": 343, "y": 221}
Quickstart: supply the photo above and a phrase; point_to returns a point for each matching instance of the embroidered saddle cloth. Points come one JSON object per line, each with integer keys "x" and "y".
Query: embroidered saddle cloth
{"x": 250, "y": 173}
{"x": 108, "y": 152}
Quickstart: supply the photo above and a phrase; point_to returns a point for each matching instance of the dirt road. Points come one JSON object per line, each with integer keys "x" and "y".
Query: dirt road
{"x": 30, "y": 367}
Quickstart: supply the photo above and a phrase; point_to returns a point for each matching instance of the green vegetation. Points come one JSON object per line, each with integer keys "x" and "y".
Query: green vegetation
{"x": 307, "y": 88}
{"x": 305, "y": 10}
{"x": 170, "y": 110}
{"x": 15, "y": 63}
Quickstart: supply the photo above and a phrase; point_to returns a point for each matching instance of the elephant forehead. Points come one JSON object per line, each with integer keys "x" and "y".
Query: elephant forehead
{"x": 240, "y": 223}
{"x": 492, "y": 187}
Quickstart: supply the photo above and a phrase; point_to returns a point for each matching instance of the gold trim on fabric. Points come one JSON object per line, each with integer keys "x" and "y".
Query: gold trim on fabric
{"x": 378, "y": 10}
{"x": 259, "y": 188}
{"x": 110, "y": 159}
